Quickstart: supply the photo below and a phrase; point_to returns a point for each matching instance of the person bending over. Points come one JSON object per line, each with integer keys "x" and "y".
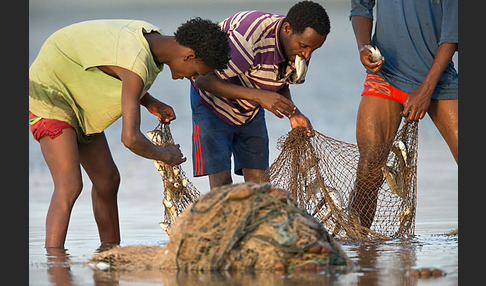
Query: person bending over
{"x": 228, "y": 106}
{"x": 85, "y": 77}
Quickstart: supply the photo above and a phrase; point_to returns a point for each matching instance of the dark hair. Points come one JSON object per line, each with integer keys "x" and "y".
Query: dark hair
{"x": 207, "y": 40}
{"x": 308, "y": 14}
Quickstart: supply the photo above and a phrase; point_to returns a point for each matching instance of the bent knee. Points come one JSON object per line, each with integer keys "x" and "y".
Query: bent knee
{"x": 67, "y": 191}
{"x": 107, "y": 183}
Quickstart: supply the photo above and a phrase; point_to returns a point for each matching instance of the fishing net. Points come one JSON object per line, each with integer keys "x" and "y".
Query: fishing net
{"x": 356, "y": 200}
{"x": 252, "y": 226}
{"x": 179, "y": 192}
{"x": 246, "y": 226}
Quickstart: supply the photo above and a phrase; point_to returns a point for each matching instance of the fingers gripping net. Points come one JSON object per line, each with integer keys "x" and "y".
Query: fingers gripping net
{"x": 179, "y": 192}
{"x": 364, "y": 196}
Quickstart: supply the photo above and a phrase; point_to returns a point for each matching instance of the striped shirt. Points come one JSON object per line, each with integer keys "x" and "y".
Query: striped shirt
{"x": 255, "y": 58}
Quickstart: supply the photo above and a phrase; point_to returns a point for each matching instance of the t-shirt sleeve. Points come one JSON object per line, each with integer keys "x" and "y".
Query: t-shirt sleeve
{"x": 362, "y": 8}
{"x": 130, "y": 52}
{"x": 449, "y": 29}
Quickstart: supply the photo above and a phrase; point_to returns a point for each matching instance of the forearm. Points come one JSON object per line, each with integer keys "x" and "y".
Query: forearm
{"x": 213, "y": 84}
{"x": 131, "y": 136}
{"x": 362, "y": 27}
{"x": 136, "y": 142}
{"x": 271, "y": 101}
{"x": 146, "y": 99}
{"x": 442, "y": 58}
{"x": 418, "y": 101}
{"x": 285, "y": 92}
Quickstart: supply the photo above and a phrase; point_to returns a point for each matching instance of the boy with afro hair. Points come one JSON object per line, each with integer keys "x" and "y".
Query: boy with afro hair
{"x": 85, "y": 77}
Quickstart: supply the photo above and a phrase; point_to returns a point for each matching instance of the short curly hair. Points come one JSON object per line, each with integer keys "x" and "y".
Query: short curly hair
{"x": 308, "y": 14}
{"x": 207, "y": 40}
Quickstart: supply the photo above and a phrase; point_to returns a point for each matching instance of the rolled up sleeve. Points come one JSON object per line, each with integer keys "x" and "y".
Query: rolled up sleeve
{"x": 449, "y": 29}
{"x": 362, "y": 8}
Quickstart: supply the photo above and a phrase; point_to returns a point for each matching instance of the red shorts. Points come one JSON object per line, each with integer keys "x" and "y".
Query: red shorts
{"x": 41, "y": 127}
{"x": 376, "y": 86}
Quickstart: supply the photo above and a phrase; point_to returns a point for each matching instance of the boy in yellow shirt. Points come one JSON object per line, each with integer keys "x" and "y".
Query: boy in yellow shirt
{"x": 86, "y": 76}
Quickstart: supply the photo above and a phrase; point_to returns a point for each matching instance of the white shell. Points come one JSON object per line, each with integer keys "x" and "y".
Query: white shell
{"x": 375, "y": 53}
{"x": 158, "y": 165}
{"x": 168, "y": 204}
{"x": 165, "y": 226}
{"x": 102, "y": 265}
{"x": 154, "y": 137}
{"x": 175, "y": 170}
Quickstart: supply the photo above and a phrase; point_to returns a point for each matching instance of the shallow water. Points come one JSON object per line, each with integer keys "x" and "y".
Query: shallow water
{"x": 330, "y": 98}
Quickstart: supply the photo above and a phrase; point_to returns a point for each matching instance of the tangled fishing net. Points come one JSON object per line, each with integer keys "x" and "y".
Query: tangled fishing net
{"x": 354, "y": 200}
{"x": 244, "y": 226}
{"x": 179, "y": 192}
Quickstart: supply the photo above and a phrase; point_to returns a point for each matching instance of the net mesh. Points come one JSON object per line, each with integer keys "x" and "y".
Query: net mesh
{"x": 179, "y": 192}
{"x": 355, "y": 199}
{"x": 251, "y": 226}
{"x": 245, "y": 226}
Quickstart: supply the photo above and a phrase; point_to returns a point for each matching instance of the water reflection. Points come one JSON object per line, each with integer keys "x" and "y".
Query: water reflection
{"x": 58, "y": 266}
{"x": 385, "y": 262}
{"x": 173, "y": 278}
{"x": 376, "y": 263}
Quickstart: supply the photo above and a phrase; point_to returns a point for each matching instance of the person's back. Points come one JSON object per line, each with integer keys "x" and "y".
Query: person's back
{"x": 65, "y": 74}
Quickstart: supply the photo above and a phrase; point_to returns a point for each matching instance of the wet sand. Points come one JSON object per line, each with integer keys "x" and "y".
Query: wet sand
{"x": 330, "y": 98}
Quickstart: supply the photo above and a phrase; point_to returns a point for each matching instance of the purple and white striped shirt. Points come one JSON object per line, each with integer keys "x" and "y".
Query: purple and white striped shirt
{"x": 255, "y": 57}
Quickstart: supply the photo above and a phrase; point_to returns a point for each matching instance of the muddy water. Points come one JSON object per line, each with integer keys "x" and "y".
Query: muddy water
{"x": 330, "y": 98}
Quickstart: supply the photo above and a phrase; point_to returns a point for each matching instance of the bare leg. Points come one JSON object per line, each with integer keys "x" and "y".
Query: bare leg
{"x": 377, "y": 123}
{"x": 254, "y": 175}
{"x": 61, "y": 156}
{"x": 220, "y": 179}
{"x": 444, "y": 114}
{"x": 98, "y": 163}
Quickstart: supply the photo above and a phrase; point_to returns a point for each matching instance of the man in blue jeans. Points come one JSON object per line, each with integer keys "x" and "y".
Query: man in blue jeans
{"x": 415, "y": 76}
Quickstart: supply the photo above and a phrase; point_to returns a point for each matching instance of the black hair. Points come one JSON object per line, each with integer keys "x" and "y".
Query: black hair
{"x": 308, "y": 14}
{"x": 207, "y": 40}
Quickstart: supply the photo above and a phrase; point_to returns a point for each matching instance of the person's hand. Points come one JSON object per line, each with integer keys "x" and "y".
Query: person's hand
{"x": 416, "y": 104}
{"x": 173, "y": 155}
{"x": 277, "y": 104}
{"x": 365, "y": 57}
{"x": 163, "y": 111}
{"x": 299, "y": 119}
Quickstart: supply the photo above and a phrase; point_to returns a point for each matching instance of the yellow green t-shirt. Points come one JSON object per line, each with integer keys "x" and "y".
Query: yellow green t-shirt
{"x": 65, "y": 83}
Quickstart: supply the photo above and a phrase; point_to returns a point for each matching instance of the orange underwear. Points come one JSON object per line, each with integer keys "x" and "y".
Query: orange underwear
{"x": 376, "y": 86}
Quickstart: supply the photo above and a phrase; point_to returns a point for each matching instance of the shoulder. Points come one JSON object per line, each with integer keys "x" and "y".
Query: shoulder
{"x": 249, "y": 21}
